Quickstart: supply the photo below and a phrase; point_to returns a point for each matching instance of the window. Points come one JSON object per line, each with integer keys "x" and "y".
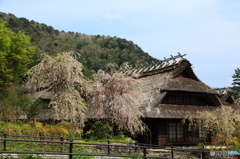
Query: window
{"x": 182, "y": 99}
{"x": 196, "y": 135}
{"x": 186, "y": 99}
{"x": 178, "y": 98}
{"x": 171, "y": 99}
{"x": 193, "y": 99}
{"x": 175, "y": 132}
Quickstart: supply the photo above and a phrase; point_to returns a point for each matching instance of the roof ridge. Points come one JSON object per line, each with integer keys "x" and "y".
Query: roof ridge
{"x": 161, "y": 64}
{"x": 222, "y": 90}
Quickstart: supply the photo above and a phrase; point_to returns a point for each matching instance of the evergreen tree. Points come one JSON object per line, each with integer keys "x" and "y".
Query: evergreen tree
{"x": 235, "y": 89}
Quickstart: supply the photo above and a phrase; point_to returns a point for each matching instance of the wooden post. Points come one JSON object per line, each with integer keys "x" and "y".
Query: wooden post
{"x": 204, "y": 156}
{"x": 172, "y": 153}
{"x": 70, "y": 149}
{"x": 144, "y": 151}
{"x": 109, "y": 147}
{"x": 61, "y": 139}
{"x": 5, "y": 142}
{"x": 135, "y": 144}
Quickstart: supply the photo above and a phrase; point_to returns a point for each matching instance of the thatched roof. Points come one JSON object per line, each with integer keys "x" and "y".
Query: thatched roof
{"x": 186, "y": 84}
{"x": 224, "y": 95}
{"x": 226, "y": 99}
{"x": 156, "y": 84}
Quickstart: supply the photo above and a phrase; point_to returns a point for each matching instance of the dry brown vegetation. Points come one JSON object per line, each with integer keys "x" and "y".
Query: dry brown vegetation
{"x": 221, "y": 122}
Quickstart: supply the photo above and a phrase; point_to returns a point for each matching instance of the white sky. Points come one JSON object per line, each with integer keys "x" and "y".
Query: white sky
{"x": 208, "y": 31}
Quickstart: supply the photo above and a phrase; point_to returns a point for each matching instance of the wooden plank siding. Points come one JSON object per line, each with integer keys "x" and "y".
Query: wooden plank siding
{"x": 162, "y": 133}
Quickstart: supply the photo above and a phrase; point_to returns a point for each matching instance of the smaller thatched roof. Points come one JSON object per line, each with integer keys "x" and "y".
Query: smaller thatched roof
{"x": 224, "y": 96}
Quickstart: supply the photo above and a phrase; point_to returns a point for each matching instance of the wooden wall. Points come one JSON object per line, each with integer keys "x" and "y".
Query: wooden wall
{"x": 162, "y": 133}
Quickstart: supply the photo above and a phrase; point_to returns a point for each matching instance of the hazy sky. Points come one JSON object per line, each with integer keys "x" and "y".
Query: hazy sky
{"x": 208, "y": 31}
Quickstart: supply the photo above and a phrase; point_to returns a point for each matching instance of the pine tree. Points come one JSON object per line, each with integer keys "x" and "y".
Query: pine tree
{"x": 235, "y": 89}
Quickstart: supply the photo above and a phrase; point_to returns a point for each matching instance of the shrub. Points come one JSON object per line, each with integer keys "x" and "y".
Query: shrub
{"x": 100, "y": 130}
{"x": 78, "y": 134}
{"x": 34, "y": 129}
{"x": 200, "y": 146}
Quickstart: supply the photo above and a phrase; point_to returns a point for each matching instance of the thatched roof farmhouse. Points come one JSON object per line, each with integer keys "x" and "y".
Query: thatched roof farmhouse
{"x": 173, "y": 91}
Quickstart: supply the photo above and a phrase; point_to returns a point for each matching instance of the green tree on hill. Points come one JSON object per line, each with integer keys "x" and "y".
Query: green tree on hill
{"x": 96, "y": 50}
{"x": 15, "y": 55}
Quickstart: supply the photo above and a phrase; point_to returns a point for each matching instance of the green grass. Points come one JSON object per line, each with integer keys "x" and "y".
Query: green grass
{"x": 94, "y": 142}
{"x": 115, "y": 139}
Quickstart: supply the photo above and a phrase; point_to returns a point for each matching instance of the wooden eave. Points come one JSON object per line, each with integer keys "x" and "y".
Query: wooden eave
{"x": 172, "y": 111}
{"x": 214, "y": 99}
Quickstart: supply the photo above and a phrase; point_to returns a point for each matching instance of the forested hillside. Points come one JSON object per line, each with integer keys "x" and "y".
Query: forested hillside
{"x": 96, "y": 50}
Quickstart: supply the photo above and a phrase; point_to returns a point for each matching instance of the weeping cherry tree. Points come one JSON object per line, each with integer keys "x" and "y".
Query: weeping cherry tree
{"x": 62, "y": 75}
{"x": 116, "y": 99}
